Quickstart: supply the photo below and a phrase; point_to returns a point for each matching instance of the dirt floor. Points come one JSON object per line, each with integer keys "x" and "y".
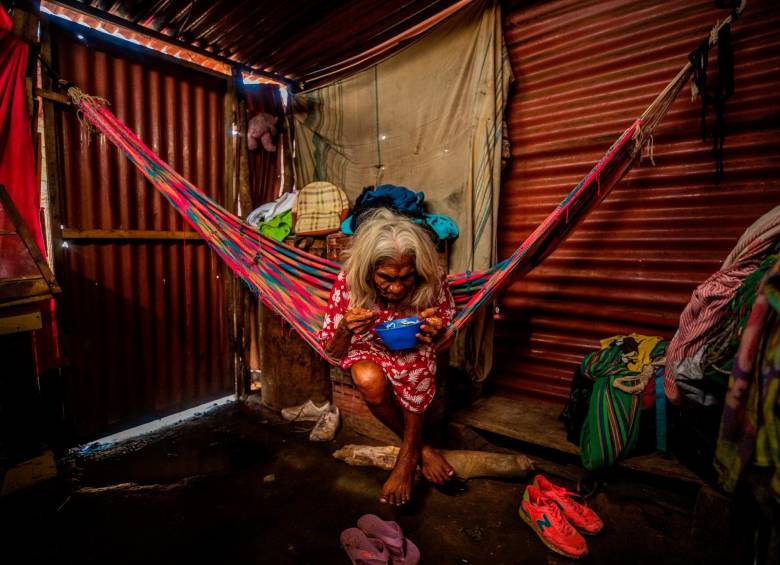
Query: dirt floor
{"x": 238, "y": 486}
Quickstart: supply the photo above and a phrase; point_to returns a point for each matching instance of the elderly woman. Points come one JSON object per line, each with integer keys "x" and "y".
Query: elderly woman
{"x": 392, "y": 272}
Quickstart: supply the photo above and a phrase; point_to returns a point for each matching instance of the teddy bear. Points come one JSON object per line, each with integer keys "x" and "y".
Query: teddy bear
{"x": 262, "y": 127}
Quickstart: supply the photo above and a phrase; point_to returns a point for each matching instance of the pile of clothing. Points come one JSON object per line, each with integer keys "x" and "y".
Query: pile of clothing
{"x": 721, "y": 365}
{"x": 317, "y": 209}
{"x": 402, "y": 201}
{"x": 274, "y": 219}
{"x": 699, "y": 358}
{"x": 721, "y": 371}
{"x": 750, "y": 424}
{"x": 321, "y": 208}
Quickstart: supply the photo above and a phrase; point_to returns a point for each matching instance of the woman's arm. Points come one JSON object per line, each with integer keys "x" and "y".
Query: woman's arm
{"x": 355, "y": 321}
{"x": 339, "y": 343}
{"x": 438, "y": 317}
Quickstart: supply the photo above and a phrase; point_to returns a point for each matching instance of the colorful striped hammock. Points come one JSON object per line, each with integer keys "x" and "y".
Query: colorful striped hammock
{"x": 296, "y": 285}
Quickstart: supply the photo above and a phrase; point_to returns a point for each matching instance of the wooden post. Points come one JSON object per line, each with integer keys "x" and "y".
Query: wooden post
{"x": 231, "y": 286}
{"x": 247, "y": 303}
{"x": 52, "y": 153}
{"x": 292, "y": 372}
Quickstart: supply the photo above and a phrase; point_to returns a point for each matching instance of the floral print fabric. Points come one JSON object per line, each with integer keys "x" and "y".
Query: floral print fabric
{"x": 412, "y": 372}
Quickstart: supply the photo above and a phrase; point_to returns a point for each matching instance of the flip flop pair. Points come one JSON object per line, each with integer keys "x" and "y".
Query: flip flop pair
{"x": 376, "y": 541}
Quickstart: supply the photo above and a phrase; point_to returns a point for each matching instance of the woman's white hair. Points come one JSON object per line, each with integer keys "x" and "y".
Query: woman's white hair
{"x": 384, "y": 235}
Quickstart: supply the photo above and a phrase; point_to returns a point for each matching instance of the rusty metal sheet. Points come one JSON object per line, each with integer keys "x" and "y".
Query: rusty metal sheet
{"x": 143, "y": 320}
{"x": 584, "y": 71}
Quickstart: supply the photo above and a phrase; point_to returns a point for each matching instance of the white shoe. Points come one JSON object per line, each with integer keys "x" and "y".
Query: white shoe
{"x": 326, "y": 427}
{"x": 306, "y": 412}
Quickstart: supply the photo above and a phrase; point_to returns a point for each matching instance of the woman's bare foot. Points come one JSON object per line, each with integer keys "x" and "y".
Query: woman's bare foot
{"x": 397, "y": 489}
{"x": 435, "y": 467}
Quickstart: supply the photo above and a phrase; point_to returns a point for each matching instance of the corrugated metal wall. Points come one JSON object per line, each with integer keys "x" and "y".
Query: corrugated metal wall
{"x": 143, "y": 319}
{"x": 265, "y": 168}
{"x": 584, "y": 71}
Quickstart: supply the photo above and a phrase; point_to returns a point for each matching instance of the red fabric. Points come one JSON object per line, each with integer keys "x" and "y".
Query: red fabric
{"x": 5, "y": 21}
{"x": 18, "y": 173}
{"x": 17, "y": 162}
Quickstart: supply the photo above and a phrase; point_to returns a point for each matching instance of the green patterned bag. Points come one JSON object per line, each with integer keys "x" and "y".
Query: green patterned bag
{"x": 611, "y": 427}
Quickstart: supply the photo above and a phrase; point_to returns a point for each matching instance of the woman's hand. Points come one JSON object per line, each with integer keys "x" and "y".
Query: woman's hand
{"x": 432, "y": 326}
{"x": 357, "y": 320}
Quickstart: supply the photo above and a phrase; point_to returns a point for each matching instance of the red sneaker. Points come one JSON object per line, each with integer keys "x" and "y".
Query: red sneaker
{"x": 545, "y": 518}
{"x": 580, "y": 516}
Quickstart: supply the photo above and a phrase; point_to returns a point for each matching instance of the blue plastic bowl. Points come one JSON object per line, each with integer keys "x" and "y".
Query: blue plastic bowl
{"x": 399, "y": 334}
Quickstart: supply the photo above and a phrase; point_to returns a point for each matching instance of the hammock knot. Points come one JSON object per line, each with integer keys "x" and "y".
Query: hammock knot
{"x": 639, "y": 142}
{"x": 78, "y": 97}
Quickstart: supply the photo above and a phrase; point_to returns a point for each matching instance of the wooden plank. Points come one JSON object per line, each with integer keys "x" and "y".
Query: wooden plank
{"x": 12, "y": 290}
{"x": 536, "y": 422}
{"x": 68, "y": 233}
{"x": 530, "y": 421}
{"x": 28, "y": 300}
{"x": 26, "y": 322}
{"x": 29, "y": 473}
{"x": 9, "y": 280}
{"x": 53, "y": 96}
{"x": 663, "y": 465}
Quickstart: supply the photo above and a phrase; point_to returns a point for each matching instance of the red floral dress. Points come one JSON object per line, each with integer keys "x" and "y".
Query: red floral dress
{"x": 411, "y": 372}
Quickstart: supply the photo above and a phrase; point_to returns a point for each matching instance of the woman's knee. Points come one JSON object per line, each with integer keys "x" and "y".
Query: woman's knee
{"x": 370, "y": 381}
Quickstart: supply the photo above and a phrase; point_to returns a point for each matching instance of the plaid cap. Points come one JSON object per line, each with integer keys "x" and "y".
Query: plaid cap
{"x": 318, "y": 207}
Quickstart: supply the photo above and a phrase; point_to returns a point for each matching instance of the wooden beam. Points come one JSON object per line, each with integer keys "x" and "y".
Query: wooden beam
{"x": 25, "y": 301}
{"x": 53, "y": 96}
{"x": 12, "y": 289}
{"x": 52, "y": 156}
{"x": 248, "y": 303}
{"x": 71, "y": 234}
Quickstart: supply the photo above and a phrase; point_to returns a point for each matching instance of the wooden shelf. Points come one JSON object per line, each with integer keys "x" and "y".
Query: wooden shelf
{"x": 536, "y": 422}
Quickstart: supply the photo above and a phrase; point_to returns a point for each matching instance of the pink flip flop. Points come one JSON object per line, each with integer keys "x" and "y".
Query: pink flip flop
{"x": 402, "y": 550}
{"x": 362, "y": 550}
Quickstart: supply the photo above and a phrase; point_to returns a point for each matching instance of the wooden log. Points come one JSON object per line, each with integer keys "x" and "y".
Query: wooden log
{"x": 292, "y": 372}
{"x": 467, "y": 464}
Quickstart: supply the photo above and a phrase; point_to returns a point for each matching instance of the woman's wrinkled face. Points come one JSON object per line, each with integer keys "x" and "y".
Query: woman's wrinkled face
{"x": 395, "y": 279}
